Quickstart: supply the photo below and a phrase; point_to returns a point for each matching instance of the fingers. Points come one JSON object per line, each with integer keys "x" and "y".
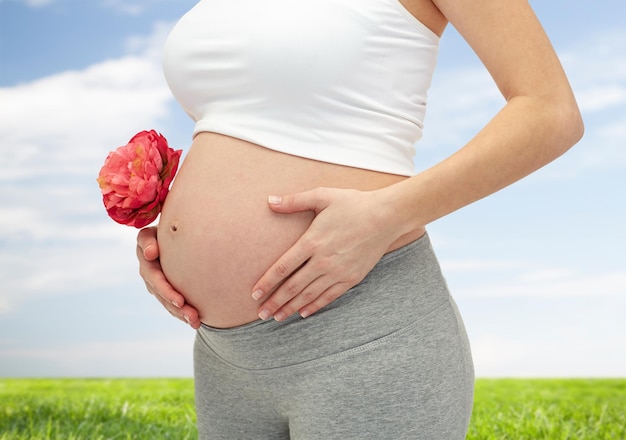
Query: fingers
{"x": 312, "y": 299}
{"x": 328, "y": 296}
{"x": 156, "y": 283}
{"x": 176, "y": 308}
{"x": 326, "y": 261}
{"x": 306, "y": 288}
{"x": 302, "y": 284}
{"x": 300, "y": 276}
{"x": 147, "y": 242}
{"x": 287, "y": 264}
{"x": 299, "y": 302}
{"x": 313, "y": 200}
{"x": 186, "y": 313}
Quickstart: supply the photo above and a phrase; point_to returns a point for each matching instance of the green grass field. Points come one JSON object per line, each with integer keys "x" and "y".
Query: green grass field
{"x": 73, "y": 409}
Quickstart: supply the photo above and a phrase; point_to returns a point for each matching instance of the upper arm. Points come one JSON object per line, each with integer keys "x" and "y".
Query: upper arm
{"x": 508, "y": 38}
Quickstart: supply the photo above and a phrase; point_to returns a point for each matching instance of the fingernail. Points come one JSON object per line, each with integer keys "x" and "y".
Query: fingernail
{"x": 274, "y": 200}
{"x": 280, "y": 316}
{"x": 264, "y": 314}
{"x": 187, "y": 319}
{"x": 175, "y": 304}
{"x": 305, "y": 314}
{"x": 257, "y": 294}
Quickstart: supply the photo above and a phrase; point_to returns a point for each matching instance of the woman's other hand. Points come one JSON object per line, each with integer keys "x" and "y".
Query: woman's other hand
{"x": 348, "y": 236}
{"x": 156, "y": 283}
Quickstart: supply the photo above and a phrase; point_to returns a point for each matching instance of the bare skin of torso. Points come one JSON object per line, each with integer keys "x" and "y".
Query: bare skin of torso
{"x": 217, "y": 235}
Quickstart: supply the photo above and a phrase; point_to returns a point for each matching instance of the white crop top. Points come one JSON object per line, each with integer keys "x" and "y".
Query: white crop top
{"x": 339, "y": 81}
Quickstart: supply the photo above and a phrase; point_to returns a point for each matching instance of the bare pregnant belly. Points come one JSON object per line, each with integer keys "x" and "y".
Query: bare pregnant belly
{"x": 217, "y": 235}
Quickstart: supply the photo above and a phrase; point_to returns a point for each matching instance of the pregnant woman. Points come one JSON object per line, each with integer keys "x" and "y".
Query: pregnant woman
{"x": 294, "y": 239}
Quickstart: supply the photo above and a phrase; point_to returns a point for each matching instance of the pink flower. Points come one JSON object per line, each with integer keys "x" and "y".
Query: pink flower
{"x": 135, "y": 179}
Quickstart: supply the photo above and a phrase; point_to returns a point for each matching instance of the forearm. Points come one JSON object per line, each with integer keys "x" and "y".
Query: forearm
{"x": 525, "y": 135}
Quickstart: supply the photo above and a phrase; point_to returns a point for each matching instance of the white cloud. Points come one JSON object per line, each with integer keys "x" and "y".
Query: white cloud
{"x": 54, "y": 136}
{"x": 463, "y": 99}
{"x": 150, "y": 46}
{"x": 474, "y": 265}
{"x": 569, "y": 353}
{"x": 604, "y": 145}
{"x": 597, "y": 71}
{"x": 126, "y": 7}
{"x": 4, "y": 305}
{"x": 493, "y": 354}
{"x": 132, "y": 7}
{"x": 553, "y": 283}
{"x": 164, "y": 357}
{"x": 599, "y": 97}
{"x": 38, "y": 3}
{"x": 62, "y": 269}
{"x": 65, "y": 123}
{"x": 476, "y": 278}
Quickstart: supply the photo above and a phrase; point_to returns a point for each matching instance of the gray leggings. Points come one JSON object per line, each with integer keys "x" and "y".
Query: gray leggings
{"x": 388, "y": 360}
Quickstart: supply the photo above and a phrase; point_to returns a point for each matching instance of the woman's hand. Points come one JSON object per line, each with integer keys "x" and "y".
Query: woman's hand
{"x": 350, "y": 233}
{"x": 156, "y": 283}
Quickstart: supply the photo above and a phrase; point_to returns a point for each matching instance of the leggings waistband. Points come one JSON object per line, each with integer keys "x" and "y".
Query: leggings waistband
{"x": 405, "y": 286}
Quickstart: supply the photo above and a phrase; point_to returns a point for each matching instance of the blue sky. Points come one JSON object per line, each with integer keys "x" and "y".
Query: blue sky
{"x": 538, "y": 270}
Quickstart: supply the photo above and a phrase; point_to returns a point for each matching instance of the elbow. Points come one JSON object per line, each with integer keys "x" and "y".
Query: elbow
{"x": 568, "y": 125}
{"x": 573, "y": 125}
